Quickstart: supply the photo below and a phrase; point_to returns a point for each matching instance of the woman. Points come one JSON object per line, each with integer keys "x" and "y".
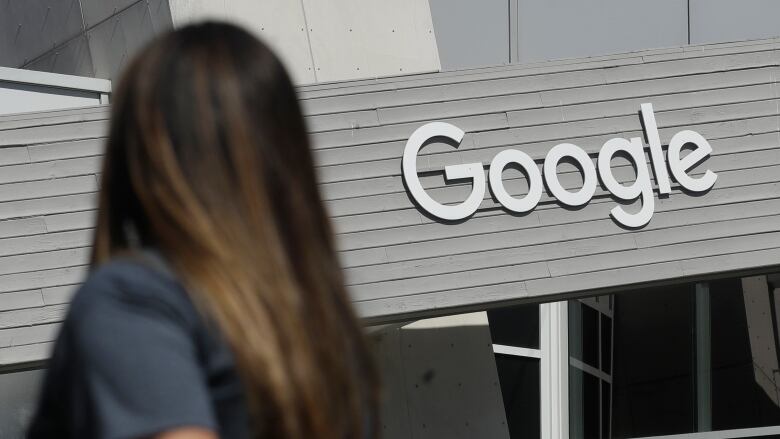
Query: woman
{"x": 215, "y": 307}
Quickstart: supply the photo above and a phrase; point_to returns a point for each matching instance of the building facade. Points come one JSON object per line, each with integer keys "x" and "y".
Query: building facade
{"x": 544, "y": 247}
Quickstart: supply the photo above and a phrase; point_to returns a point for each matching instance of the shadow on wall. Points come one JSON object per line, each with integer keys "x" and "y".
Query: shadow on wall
{"x": 18, "y": 393}
{"x": 439, "y": 379}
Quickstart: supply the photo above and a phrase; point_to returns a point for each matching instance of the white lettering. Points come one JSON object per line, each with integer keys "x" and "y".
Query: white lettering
{"x": 471, "y": 171}
{"x": 554, "y": 157}
{"x": 681, "y": 166}
{"x": 640, "y": 188}
{"x": 500, "y": 161}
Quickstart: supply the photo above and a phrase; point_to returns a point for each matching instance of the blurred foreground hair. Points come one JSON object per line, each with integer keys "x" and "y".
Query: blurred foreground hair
{"x": 208, "y": 161}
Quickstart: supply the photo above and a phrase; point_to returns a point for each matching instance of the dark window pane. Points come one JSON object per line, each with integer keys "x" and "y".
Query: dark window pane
{"x": 606, "y": 344}
{"x": 584, "y": 405}
{"x": 652, "y": 379}
{"x": 515, "y": 326}
{"x": 519, "y": 377}
{"x": 584, "y": 333}
{"x": 605, "y": 408}
{"x": 745, "y": 389}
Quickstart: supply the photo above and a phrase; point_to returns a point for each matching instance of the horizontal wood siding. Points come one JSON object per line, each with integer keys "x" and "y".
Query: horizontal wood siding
{"x": 401, "y": 263}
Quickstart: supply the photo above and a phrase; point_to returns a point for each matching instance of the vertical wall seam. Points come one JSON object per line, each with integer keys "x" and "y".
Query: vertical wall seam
{"x": 86, "y": 38}
{"x": 308, "y": 41}
{"x": 689, "y": 22}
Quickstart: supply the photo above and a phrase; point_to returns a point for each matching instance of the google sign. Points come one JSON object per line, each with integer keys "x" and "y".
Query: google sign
{"x": 642, "y": 188}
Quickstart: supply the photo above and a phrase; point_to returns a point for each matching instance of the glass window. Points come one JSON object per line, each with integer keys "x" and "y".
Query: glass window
{"x": 590, "y": 382}
{"x": 515, "y": 326}
{"x": 518, "y": 369}
{"x": 519, "y": 378}
{"x": 745, "y": 378}
{"x": 653, "y": 385}
{"x": 606, "y": 344}
{"x": 584, "y": 333}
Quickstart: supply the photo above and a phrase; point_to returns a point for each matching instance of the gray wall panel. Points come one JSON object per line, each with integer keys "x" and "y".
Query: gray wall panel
{"x": 401, "y": 263}
{"x": 30, "y": 28}
{"x": 114, "y": 41}
{"x": 729, "y": 20}
{"x": 71, "y": 58}
{"x": 471, "y": 33}
{"x": 551, "y": 29}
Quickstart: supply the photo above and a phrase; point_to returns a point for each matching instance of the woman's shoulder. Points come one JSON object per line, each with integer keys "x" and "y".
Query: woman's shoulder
{"x": 124, "y": 287}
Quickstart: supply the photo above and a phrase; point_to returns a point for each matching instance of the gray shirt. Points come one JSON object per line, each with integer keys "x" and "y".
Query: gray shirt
{"x": 134, "y": 358}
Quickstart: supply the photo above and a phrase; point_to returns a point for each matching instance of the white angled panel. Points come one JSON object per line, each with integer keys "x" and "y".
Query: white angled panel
{"x": 280, "y": 23}
{"x": 367, "y": 38}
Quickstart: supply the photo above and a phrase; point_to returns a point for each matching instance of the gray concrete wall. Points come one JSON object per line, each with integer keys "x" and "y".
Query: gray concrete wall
{"x": 17, "y": 401}
{"x": 319, "y": 42}
{"x": 331, "y": 41}
{"x": 402, "y": 264}
{"x": 78, "y": 37}
{"x": 574, "y": 28}
{"x": 473, "y": 33}
{"x": 440, "y": 380}
{"x": 726, "y": 20}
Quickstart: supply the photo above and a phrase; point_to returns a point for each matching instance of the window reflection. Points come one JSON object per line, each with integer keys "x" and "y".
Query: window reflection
{"x": 677, "y": 359}
{"x": 744, "y": 353}
{"x": 653, "y": 362}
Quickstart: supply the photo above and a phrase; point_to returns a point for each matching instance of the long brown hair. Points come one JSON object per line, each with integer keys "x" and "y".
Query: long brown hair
{"x": 208, "y": 161}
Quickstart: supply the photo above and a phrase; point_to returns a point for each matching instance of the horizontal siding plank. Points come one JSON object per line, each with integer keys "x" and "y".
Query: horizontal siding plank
{"x": 70, "y": 221}
{"x": 32, "y": 316}
{"x": 690, "y": 66}
{"x": 47, "y": 188}
{"x": 629, "y": 72}
{"x": 44, "y": 260}
{"x": 449, "y": 281}
{"x": 648, "y": 273}
{"x": 42, "y": 278}
{"x": 66, "y": 150}
{"x": 485, "y": 259}
{"x": 753, "y": 234}
{"x": 22, "y": 227}
{"x": 29, "y": 335}
{"x": 554, "y": 288}
{"x": 21, "y": 299}
{"x": 383, "y": 133}
{"x": 54, "y": 133}
{"x": 59, "y": 294}
{"x": 656, "y": 89}
{"x": 662, "y": 104}
{"x": 49, "y": 205}
{"x": 340, "y": 121}
{"x": 25, "y": 354}
{"x": 48, "y": 170}
{"x": 593, "y": 220}
{"x": 669, "y": 122}
{"x": 53, "y": 117}
{"x": 45, "y": 242}
{"x": 440, "y": 302}
{"x": 686, "y": 226}
{"x": 14, "y": 155}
